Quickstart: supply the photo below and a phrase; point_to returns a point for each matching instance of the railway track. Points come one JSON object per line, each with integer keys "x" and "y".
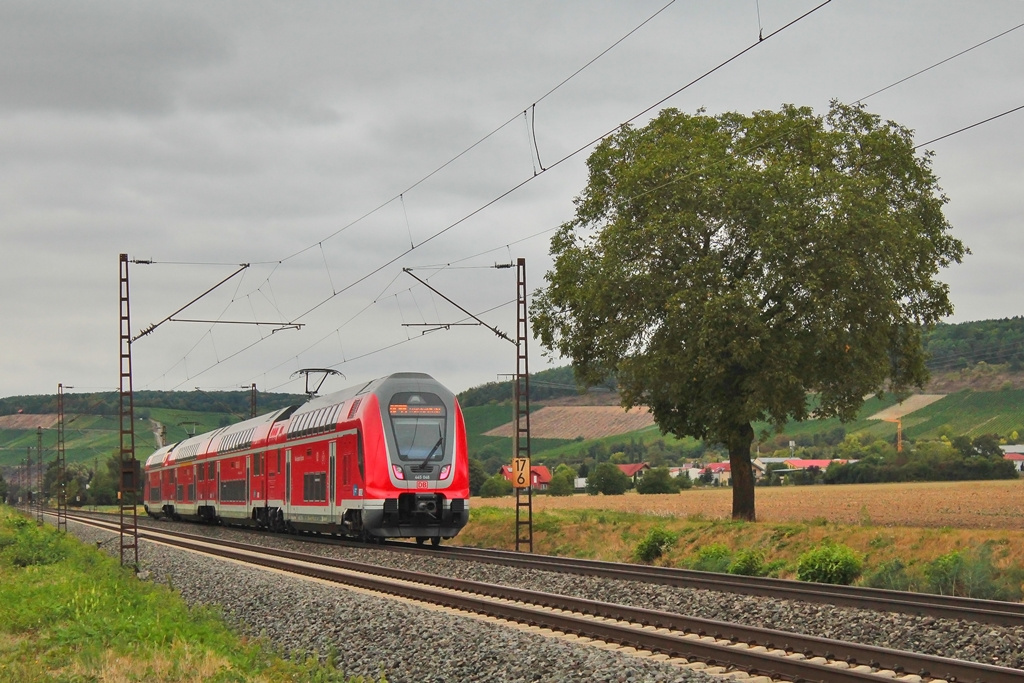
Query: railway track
{"x": 722, "y": 646}
{"x": 918, "y": 604}
{"x": 993, "y": 612}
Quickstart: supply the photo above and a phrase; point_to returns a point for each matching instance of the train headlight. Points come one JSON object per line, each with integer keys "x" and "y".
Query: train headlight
{"x": 445, "y": 471}
{"x": 399, "y": 472}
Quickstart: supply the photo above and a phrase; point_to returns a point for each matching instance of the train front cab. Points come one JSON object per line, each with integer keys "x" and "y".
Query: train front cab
{"x": 419, "y": 487}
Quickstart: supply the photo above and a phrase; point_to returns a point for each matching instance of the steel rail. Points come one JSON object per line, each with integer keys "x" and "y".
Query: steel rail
{"x": 536, "y": 606}
{"x": 919, "y": 604}
{"x": 994, "y": 612}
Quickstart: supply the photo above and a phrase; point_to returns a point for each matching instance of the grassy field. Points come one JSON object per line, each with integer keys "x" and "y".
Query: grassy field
{"x": 913, "y": 523}
{"x": 70, "y": 613}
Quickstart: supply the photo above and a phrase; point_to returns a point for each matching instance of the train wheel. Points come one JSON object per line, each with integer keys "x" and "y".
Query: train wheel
{"x": 420, "y": 540}
{"x": 435, "y": 541}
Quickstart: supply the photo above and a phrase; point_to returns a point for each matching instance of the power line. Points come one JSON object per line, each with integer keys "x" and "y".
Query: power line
{"x": 939, "y": 63}
{"x": 517, "y": 186}
{"x": 973, "y": 125}
{"x": 482, "y": 139}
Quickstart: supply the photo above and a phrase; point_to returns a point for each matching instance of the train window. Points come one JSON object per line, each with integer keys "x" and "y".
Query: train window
{"x": 418, "y": 422}
{"x": 314, "y": 487}
{"x": 257, "y": 460}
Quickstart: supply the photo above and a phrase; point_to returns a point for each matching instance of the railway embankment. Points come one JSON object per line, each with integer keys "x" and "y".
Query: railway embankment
{"x": 896, "y": 552}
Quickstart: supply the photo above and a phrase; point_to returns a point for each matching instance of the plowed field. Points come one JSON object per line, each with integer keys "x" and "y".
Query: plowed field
{"x": 27, "y": 421}
{"x": 962, "y": 505}
{"x": 590, "y": 422}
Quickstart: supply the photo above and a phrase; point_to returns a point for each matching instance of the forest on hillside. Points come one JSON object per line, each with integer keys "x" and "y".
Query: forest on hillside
{"x": 994, "y": 342}
{"x": 951, "y": 347}
{"x": 545, "y": 384}
{"x": 107, "y": 403}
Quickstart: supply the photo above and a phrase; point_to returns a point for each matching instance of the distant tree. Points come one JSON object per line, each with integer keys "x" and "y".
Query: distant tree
{"x": 987, "y": 444}
{"x": 104, "y": 484}
{"x": 562, "y": 481}
{"x": 657, "y": 480}
{"x": 723, "y": 268}
{"x": 496, "y": 487}
{"x": 608, "y": 479}
{"x": 477, "y": 476}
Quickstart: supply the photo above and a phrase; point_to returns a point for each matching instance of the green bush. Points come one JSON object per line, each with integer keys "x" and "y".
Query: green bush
{"x": 657, "y": 480}
{"x": 496, "y": 487}
{"x": 654, "y": 544}
{"x": 891, "y": 575}
{"x": 607, "y": 479}
{"x": 713, "y": 558}
{"x": 35, "y": 546}
{"x": 829, "y": 563}
{"x": 748, "y": 562}
{"x": 971, "y": 574}
{"x": 561, "y": 484}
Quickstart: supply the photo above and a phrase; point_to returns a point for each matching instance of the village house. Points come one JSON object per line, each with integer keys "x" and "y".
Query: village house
{"x": 540, "y": 476}
{"x": 1014, "y": 454}
{"x": 634, "y": 470}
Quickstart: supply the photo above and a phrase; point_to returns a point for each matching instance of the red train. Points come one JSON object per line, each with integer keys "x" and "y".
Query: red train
{"x": 384, "y": 459}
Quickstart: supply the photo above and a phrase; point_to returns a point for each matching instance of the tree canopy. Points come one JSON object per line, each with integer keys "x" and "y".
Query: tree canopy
{"x": 722, "y": 268}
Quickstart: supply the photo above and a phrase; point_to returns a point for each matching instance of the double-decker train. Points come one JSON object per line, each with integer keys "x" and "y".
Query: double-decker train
{"x": 381, "y": 460}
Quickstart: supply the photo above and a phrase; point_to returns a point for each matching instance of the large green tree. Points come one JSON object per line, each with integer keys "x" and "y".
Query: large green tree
{"x": 724, "y": 268}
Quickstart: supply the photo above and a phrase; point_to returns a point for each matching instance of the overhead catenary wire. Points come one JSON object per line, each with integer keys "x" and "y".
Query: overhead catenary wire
{"x": 338, "y": 291}
{"x": 517, "y": 186}
{"x": 966, "y": 128}
{"x": 939, "y": 63}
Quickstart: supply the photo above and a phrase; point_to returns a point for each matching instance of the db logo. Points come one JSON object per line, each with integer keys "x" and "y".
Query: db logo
{"x": 421, "y": 484}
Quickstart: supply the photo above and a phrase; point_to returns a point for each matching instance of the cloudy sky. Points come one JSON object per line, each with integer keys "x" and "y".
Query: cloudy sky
{"x": 331, "y": 144}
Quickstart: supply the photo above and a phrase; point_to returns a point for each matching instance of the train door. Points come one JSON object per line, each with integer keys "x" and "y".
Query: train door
{"x": 288, "y": 479}
{"x": 248, "y": 488}
{"x": 332, "y": 484}
{"x": 264, "y": 458}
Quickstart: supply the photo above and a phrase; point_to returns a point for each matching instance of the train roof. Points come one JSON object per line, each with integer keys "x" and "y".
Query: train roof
{"x": 245, "y": 434}
{"x": 339, "y": 397}
{"x": 157, "y": 459}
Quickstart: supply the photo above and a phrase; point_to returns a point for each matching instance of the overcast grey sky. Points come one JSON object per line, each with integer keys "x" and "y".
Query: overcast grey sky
{"x": 294, "y": 136}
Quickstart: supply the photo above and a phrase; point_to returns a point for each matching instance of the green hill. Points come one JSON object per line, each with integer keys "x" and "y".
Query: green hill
{"x": 980, "y": 365}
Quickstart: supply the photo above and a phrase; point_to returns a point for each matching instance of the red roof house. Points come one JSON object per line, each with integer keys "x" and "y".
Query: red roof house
{"x": 540, "y": 476}
{"x": 720, "y": 471}
{"x": 633, "y": 470}
{"x": 798, "y": 464}
{"x": 1017, "y": 459}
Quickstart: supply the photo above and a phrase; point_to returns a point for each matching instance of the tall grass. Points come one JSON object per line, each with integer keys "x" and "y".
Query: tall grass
{"x": 70, "y": 613}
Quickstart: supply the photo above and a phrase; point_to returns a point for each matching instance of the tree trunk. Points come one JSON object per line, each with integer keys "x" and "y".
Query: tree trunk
{"x": 742, "y": 472}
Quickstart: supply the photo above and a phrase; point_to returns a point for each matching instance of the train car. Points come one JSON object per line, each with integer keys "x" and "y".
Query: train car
{"x": 381, "y": 460}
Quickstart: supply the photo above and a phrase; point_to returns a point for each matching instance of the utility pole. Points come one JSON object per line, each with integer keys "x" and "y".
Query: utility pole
{"x": 28, "y": 481}
{"x": 522, "y": 475}
{"x": 252, "y": 401}
{"x": 62, "y": 489}
{"x": 128, "y": 465}
{"x": 521, "y": 430}
{"x": 39, "y": 476}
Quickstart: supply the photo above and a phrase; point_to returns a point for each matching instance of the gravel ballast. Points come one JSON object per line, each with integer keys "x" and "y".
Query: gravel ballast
{"x": 371, "y": 634}
{"x": 412, "y": 643}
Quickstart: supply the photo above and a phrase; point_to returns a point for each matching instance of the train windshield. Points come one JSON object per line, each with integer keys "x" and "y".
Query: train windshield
{"x": 418, "y": 421}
